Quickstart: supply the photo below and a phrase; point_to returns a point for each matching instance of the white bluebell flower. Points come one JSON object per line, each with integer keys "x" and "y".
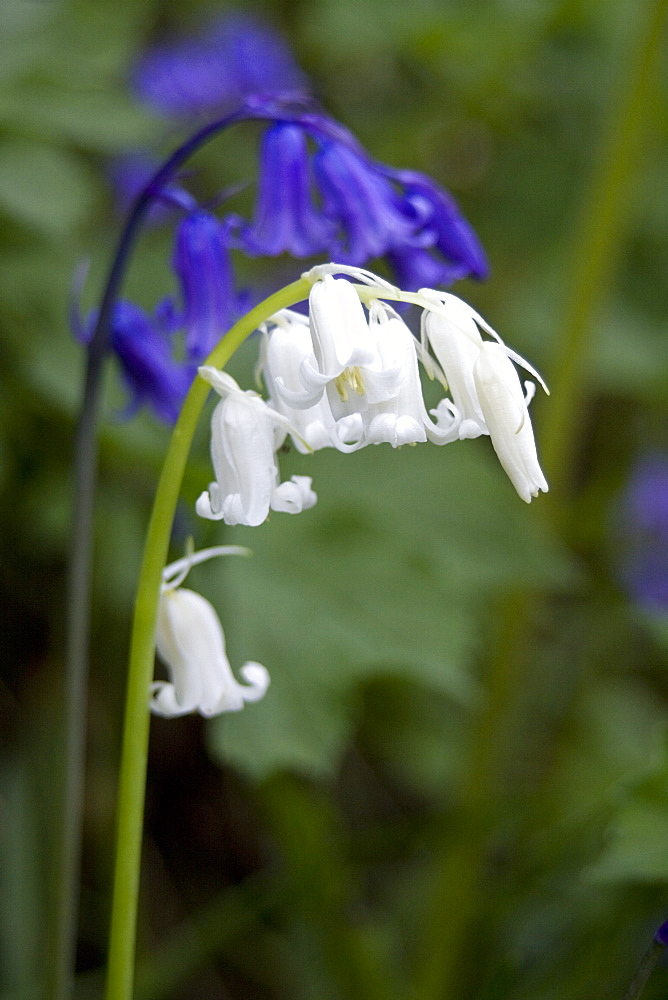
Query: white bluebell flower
{"x": 504, "y": 407}
{"x": 485, "y": 386}
{"x": 191, "y": 643}
{"x": 244, "y": 435}
{"x": 346, "y": 363}
{"x": 286, "y": 344}
{"x": 401, "y": 418}
{"x": 453, "y": 336}
{"x": 345, "y": 381}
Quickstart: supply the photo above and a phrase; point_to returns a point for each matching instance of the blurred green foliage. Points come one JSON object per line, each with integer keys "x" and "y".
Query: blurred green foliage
{"x": 291, "y": 850}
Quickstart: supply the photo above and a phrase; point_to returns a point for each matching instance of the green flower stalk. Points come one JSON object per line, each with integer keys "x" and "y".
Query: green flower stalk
{"x": 359, "y": 379}
{"x": 132, "y": 782}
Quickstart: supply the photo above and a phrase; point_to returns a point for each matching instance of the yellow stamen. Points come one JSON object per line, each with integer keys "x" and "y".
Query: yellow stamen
{"x": 350, "y": 378}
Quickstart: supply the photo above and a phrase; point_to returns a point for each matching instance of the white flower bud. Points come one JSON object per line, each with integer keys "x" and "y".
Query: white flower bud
{"x": 190, "y": 641}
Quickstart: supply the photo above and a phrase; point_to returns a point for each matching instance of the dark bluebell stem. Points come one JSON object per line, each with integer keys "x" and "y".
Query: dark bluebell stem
{"x": 62, "y": 946}
{"x": 648, "y": 963}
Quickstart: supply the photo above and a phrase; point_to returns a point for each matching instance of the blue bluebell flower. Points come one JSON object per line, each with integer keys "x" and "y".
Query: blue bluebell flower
{"x": 287, "y": 219}
{"x": 362, "y": 203}
{"x": 320, "y": 193}
{"x": 644, "y": 533}
{"x": 437, "y": 217}
{"x": 208, "y": 306}
{"x": 661, "y": 936}
{"x": 419, "y": 267}
{"x": 214, "y": 71}
{"x": 148, "y": 368}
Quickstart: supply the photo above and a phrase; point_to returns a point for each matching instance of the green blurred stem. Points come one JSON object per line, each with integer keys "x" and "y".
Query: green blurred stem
{"x": 61, "y": 945}
{"x": 202, "y": 938}
{"x": 134, "y": 754}
{"x": 597, "y": 245}
{"x": 460, "y": 874}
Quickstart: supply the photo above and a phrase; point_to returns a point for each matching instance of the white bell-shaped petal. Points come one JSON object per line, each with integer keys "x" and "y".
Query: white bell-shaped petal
{"x": 242, "y": 452}
{"x": 455, "y": 340}
{"x": 347, "y": 362}
{"x": 504, "y": 407}
{"x": 294, "y": 495}
{"x": 338, "y": 327}
{"x": 286, "y": 345}
{"x": 191, "y": 643}
{"x": 243, "y": 438}
{"x": 401, "y": 418}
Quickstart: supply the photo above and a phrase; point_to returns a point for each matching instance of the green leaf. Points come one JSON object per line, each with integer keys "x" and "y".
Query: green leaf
{"x": 46, "y": 189}
{"x": 636, "y": 848}
{"x": 105, "y": 122}
{"x": 384, "y": 577}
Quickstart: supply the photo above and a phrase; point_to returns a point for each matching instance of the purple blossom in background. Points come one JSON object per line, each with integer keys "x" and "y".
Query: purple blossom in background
{"x": 661, "y": 936}
{"x": 333, "y": 199}
{"x": 214, "y": 71}
{"x": 362, "y": 203}
{"x": 436, "y": 212}
{"x": 203, "y": 266}
{"x": 287, "y": 219}
{"x": 644, "y": 516}
{"x": 417, "y": 267}
{"x": 318, "y": 194}
{"x": 148, "y": 369}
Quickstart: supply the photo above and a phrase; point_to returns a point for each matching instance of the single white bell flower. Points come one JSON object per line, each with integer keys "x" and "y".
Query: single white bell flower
{"x": 401, "y": 419}
{"x": 191, "y": 643}
{"x": 286, "y": 344}
{"x": 243, "y": 440}
{"x": 344, "y": 363}
{"x": 455, "y": 340}
{"x": 504, "y": 407}
{"x": 452, "y": 328}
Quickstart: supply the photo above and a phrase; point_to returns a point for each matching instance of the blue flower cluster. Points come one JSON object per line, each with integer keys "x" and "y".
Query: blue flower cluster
{"x": 217, "y": 70}
{"x": 319, "y": 194}
{"x": 644, "y": 516}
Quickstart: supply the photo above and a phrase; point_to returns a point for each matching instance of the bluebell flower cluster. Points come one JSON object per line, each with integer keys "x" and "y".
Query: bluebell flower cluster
{"x": 318, "y": 194}
{"x": 644, "y": 533}
{"x": 213, "y": 72}
{"x": 145, "y": 354}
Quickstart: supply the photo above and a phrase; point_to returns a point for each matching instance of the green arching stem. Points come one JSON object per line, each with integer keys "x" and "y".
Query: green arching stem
{"x": 459, "y": 878}
{"x": 134, "y": 755}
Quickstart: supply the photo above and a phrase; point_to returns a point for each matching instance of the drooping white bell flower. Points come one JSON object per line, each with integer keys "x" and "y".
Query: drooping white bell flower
{"x": 452, "y": 329}
{"x": 344, "y": 363}
{"x": 504, "y": 407}
{"x": 455, "y": 340}
{"x": 348, "y": 361}
{"x": 401, "y": 419}
{"x": 243, "y": 440}
{"x": 287, "y": 344}
{"x": 191, "y": 643}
